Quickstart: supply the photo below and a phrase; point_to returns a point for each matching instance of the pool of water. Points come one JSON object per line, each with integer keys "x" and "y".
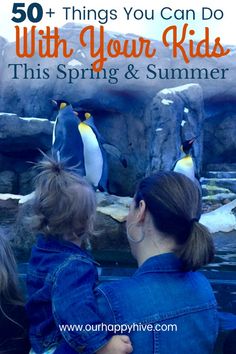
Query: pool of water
{"x": 115, "y": 265}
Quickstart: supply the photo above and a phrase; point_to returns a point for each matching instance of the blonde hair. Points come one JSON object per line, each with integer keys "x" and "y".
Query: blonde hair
{"x": 64, "y": 203}
{"x": 9, "y": 286}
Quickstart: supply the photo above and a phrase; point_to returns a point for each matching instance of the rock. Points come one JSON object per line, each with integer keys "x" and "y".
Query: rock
{"x": 3, "y": 43}
{"x": 227, "y": 183}
{"x": 109, "y": 226}
{"x": 226, "y": 201}
{"x": 9, "y": 208}
{"x": 23, "y": 134}
{"x": 221, "y": 167}
{"x": 8, "y": 214}
{"x": 24, "y": 238}
{"x": 111, "y": 233}
{"x": 26, "y": 181}
{"x": 20, "y": 141}
{"x": 221, "y": 174}
{"x": 219, "y": 137}
{"x": 156, "y": 150}
{"x": 113, "y": 206}
{"x": 219, "y": 197}
{"x": 29, "y": 96}
{"x": 222, "y": 219}
{"x": 124, "y": 106}
{"x": 175, "y": 115}
{"x": 8, "y": 182}
{"x": 210, "y": 190}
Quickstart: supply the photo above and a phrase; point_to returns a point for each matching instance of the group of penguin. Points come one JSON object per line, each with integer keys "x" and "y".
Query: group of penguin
{"x": 77, "y": 142}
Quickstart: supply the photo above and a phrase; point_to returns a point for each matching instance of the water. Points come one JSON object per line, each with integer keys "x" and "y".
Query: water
{"x": 115, "y": 264}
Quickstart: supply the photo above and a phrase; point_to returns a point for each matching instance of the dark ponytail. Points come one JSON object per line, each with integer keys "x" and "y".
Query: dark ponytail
{"x": 174, "y": 202}
{"x": 198, "y": 250}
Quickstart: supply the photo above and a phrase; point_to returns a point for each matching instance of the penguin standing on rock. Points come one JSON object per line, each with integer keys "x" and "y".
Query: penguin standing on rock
{"x": 67, "y": 144}
{"x": 95, "y": 151}
{"x": 185, "y": 164}
{"x": 95, "y": 158}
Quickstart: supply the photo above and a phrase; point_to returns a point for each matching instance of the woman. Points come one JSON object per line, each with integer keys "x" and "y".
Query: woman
{"x": 13, "y": 323}
{"x": 173, "y": 305}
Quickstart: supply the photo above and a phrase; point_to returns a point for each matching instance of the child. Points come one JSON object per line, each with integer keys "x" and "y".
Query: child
{"x": 62, "y": 276}
{"x": 13, "y": 323}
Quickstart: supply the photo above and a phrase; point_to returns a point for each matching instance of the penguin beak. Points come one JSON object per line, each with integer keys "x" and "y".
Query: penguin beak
{"x": 192, "y": 141}
{"x": 54, "y": 102}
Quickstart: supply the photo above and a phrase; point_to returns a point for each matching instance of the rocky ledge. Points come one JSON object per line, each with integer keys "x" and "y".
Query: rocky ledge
{"x": 111, "y": 214}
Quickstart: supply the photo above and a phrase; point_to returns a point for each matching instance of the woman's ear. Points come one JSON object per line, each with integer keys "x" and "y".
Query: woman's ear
{"x": 141, "y": 211}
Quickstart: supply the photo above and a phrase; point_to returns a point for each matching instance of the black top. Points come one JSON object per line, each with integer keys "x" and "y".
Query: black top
{"x": 13, "y": 330}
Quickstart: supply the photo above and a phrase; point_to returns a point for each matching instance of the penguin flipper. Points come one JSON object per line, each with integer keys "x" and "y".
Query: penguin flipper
{"x": 114, "y": 151}
{"x": 174, "y": 165}
{"x": 57, "y": 140}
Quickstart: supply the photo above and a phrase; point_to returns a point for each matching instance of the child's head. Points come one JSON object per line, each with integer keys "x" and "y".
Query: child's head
{"x": 64, "y": 204}
{"x": 9, "y": 288}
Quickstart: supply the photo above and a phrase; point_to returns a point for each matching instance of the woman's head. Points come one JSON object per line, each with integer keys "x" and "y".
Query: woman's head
{"x": 174, "y": 204}
{"x": 64, "y": 203}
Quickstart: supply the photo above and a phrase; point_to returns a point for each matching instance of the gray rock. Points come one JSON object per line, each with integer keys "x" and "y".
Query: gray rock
{"x": 222, "y": 219}
{"x": 219, "y": 167}
{"x": 24, "y": 134}
{"x": 126, "y": 113}
{"x": 211, "y": 190}
{"x": 8, "y": 182}
{"x": 145, "y": 148}
{"x": 110, "y": 225}
{"x": 29, "y": 97}
{"x": 228, "y": 183}
{"x": 219, "y": 137}
{"x": 26, "y": 181}
{"x": 8, "y": 210}
{"x": 174, "y": 116}
{"x": 220, "y": 197}
{"x": 221, "y": 174}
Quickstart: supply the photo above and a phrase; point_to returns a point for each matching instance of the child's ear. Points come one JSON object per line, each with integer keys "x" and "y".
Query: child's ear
{"x": 141, "y": 211}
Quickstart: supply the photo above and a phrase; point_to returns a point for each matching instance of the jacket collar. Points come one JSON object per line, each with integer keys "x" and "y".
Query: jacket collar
{"x": 163, "y": 263}
{"x": 52, "y": 244}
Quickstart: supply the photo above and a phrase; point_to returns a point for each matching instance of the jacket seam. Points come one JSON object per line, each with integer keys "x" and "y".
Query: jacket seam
{"x": 108, "y": 302}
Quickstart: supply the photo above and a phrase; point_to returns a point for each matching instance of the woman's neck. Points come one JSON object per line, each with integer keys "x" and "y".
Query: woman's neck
{"x": 153, "y": 244}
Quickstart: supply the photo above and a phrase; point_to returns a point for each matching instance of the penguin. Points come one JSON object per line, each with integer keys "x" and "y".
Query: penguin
{"x": 95, "y": 157}
{"x": 185, "y": 164}
{"x": 98, "y": 160}
{"x": 67, "y": 144}
{"x": 58, "y": 104}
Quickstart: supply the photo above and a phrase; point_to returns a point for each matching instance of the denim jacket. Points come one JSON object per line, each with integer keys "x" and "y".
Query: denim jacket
{"x": 160, "y": 294}
{"x": 61, "y": 280}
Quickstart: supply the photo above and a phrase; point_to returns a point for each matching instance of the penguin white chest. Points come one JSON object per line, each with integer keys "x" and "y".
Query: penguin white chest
{"x": 54, "y": 131}
{"x": 186, "y": 167}
{"x": 93, "y": 159}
